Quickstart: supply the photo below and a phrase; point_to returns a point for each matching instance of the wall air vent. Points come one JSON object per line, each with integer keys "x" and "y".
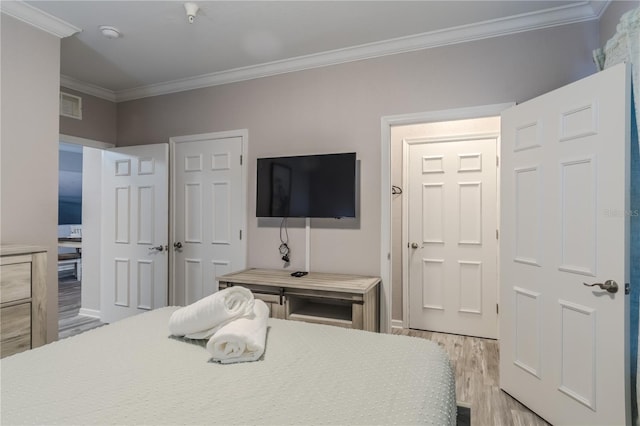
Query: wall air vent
{"x": 70, "y": 106}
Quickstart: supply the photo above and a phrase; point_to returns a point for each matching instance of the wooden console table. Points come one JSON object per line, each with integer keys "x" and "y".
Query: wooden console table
{"x": 349, "y": 301}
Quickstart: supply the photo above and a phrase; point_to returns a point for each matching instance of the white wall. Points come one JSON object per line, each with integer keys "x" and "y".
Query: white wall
{"x": 91, "y": 229}
{"x": 30, "y": 81}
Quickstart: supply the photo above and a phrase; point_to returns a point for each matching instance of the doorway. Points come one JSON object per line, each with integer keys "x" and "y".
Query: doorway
{"x": 391, "y": 305}
{"x": 446, "y": 223}
{"x": 78, "y": 233}
{"x": 70, "y": 239}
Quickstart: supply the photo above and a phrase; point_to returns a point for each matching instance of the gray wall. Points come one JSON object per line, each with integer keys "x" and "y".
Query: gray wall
{"x": 30, "y": 82}
{"x": 338, "y": 108}
{"x": 611, "y": 17}
{"x": 98, "y": 119}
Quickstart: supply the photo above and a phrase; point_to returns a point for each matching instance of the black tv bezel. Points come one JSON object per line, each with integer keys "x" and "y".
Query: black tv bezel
{"x": 355, "y": 184}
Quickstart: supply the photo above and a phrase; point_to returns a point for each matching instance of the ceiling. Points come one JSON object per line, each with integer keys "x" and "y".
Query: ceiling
{"x": 160, "y": 52}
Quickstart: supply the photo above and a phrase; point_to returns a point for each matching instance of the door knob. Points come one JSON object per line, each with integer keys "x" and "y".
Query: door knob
{"x": 414, "y": 245}
{"x": 610, "y": 285}
{"x": 177, "y": 245}
{"x": 157, "y": 248}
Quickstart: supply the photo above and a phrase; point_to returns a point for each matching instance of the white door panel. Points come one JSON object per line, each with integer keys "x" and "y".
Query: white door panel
{"x": 452, "y": 211}
{"x": 134, "y": 230}
{"x": 209, "y": 212}
{"x": 565, "y": 193}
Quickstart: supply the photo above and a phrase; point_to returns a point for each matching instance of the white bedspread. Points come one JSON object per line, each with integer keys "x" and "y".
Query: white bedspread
{"x": 131, "y": 372}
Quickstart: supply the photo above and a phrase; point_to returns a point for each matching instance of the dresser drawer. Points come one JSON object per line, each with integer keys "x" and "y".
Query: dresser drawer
{"x": 15, "y": 282}
{"x": 15, "y": 329}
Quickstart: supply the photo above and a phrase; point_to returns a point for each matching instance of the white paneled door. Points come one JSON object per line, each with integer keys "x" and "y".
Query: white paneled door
{"x": 564, "y": 348}
{"x": 209, "y": 211}
{"x": 452, "y": 226}
{"x": 134, "y": 231}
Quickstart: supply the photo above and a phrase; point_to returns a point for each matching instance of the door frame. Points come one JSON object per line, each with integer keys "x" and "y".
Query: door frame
{"x": 406, "y": 143}
{"x": 386, "y": 122}
{"x": 241, "y": 133}
{"x": 91, "y": 249}
{"x": 91, "y": 143}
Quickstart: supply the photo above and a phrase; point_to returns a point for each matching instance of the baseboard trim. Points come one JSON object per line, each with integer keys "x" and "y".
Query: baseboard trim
{"x": 397, "y": 324}
{"x": 89, "y": 313}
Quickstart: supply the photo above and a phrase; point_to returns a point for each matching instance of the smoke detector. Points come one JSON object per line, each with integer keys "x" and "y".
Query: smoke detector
{"x": 191, "y": 9}
{"x": 109, "y": 32}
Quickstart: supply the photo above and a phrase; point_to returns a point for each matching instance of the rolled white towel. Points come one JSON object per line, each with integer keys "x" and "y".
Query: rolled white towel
{"x": 242, "y": 339}
{"x": 202, "y": 318}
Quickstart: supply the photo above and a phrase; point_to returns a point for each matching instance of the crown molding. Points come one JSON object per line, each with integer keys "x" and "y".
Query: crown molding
{"x": 563, "y": 15}
{"x": 599, "y": 7}
{"x": 38, "y": 18}
{"x": 87, "y": 88}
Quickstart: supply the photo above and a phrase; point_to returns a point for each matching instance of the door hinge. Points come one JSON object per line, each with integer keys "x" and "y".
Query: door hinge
{"x": 497, "y": 161}
{"x": 497, "y": 309}
{"x": 497, "y": 234}
{"x": 241, "y": 234}
{"x": 241, "y": 159}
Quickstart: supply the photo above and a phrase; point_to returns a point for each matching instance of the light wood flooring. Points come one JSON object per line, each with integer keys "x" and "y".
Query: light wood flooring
{"x": 475, "y": 362}
{"x": 70, "y": 322}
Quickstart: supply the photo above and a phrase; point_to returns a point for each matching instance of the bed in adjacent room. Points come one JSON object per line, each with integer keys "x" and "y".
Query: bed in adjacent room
{"x": 132, "y": 372}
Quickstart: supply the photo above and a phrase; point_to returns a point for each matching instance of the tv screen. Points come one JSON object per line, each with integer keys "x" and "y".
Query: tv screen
{"x": 307, "y": 186}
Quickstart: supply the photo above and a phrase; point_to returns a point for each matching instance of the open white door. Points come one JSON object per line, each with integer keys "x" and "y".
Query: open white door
{"x": 564, "y": 348}
{"x": 134, "y": 230}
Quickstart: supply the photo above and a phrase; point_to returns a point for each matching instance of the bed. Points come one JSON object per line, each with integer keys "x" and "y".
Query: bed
{"x": 132, "y": 372}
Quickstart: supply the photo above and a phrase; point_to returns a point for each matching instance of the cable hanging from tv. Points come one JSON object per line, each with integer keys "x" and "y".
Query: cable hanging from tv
{"x": 284, "y": 242}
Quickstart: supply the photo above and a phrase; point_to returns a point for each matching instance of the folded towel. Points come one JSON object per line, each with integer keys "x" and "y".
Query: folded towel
{"x": 243, "y": 339}
{"x": 204, "y": 317}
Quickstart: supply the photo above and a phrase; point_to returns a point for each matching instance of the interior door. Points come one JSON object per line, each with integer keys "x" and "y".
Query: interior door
{"x": 452, "y": 235}
{"x": 564, "y": 348}
{"x": 134, "y": 230}
{"x": 209, "y": 213}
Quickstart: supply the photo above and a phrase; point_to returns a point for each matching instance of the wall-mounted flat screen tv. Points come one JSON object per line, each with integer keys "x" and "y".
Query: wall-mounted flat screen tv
{"x": 307, "y": 186}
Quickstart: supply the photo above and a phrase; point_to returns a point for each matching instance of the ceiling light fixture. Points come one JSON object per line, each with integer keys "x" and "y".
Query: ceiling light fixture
{"x": 191, "y": 9}
{"x": 109, "y": 32}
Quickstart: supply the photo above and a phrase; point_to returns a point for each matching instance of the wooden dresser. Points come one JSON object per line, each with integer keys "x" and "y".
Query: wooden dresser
{"x": 23, "y": 298}
{"x": 349, "y": 301}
